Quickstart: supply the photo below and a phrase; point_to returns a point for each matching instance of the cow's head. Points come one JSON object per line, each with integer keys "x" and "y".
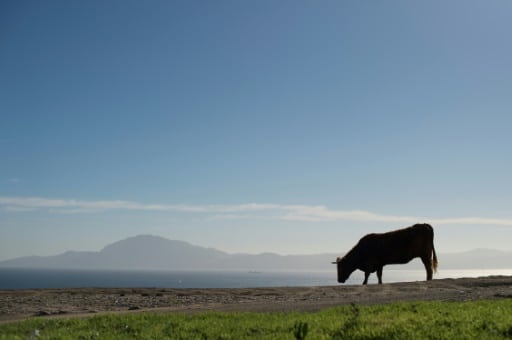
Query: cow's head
{"x": 343, "y": 270}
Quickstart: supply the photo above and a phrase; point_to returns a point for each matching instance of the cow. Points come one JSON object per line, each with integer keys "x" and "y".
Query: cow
{"x": 374, "y": 251}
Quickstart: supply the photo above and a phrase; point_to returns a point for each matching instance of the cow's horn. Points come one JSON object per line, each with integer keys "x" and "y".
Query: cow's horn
{"x": 334, "y": 262}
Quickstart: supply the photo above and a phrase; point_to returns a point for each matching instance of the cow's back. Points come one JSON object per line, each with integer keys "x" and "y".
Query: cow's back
{"x": 399, "y": 246}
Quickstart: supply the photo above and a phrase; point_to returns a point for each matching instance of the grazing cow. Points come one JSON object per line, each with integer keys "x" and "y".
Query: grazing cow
{"x": 374, "y": 251}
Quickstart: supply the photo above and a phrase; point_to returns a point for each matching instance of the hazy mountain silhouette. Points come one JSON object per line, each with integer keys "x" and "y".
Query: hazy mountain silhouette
{"x": 479, "y": 258}
{"x": 139, "y": 252}
{"x": 157, "y": 253}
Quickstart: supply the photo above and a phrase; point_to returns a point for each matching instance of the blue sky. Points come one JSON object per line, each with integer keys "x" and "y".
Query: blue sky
{"x": 253, "y": 126}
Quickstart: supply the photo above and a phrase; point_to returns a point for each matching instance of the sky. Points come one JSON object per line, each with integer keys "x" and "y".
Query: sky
{"x": 293, "y": 127}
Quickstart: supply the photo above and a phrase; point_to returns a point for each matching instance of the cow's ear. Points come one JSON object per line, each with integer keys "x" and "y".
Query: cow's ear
{"x": 334, "y": 262}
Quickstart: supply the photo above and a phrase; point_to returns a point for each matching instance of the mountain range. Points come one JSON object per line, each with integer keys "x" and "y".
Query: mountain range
{"x": 158, "y": 253}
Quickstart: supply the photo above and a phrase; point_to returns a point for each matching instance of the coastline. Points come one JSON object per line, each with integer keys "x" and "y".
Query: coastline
{"x": 18, "y": 305}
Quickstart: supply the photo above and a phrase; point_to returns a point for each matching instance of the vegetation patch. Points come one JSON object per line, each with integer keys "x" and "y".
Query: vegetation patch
{"x": 487, "y": 319}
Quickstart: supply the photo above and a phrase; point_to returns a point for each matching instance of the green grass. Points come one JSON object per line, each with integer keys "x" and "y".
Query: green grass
{"x": 421, "y": 320}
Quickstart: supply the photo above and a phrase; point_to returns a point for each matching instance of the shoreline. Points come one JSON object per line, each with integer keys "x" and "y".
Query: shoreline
{"x": 16, "y": 305}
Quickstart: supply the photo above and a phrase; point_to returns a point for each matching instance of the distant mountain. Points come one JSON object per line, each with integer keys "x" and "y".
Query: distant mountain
{"x": 152, "y": 252}
{"x": 139, "y": 252}
{"x": 158, "y": 253}
{"x": 477, "y": 259}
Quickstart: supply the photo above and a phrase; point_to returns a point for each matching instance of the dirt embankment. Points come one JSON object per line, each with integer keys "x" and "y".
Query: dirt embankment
{"x": 21, "y": 304}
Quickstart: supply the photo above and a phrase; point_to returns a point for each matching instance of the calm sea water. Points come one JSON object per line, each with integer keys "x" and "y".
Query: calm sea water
{"x": 43, "y": 278}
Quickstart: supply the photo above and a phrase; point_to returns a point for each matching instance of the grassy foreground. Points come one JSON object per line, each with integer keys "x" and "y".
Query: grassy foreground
{"x": 436, "y": 320}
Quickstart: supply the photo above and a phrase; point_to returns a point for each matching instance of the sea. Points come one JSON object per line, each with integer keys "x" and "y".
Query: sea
{"x": 16, "y": 278}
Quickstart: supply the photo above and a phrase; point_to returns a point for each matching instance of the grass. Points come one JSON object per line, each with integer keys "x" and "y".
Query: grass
{"x": 420, "y": 320}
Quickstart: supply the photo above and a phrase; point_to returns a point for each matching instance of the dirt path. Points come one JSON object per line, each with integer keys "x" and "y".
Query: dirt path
{"x": 21, "y": 304}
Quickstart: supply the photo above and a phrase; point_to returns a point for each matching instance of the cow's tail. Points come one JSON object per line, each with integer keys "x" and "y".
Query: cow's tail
{"x": 434, "y": 256}
{"x": 434, "y": 259}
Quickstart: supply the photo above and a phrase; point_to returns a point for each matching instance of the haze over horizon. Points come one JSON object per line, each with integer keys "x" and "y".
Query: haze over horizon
{"x": 170, "y": 255}
{"x": 289, "y": 127}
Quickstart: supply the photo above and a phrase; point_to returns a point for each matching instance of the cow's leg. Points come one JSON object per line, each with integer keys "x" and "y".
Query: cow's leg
{"x": 366, "y": 275}
{"x": 379, "y": 274}
{"x": 428, "y": 266}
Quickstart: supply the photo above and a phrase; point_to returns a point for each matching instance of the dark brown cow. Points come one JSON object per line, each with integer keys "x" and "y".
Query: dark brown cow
{"x": 374, "y": 251}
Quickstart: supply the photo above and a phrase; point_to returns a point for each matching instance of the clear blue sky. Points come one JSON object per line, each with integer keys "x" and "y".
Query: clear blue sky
{"x": 254, "y": 126}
